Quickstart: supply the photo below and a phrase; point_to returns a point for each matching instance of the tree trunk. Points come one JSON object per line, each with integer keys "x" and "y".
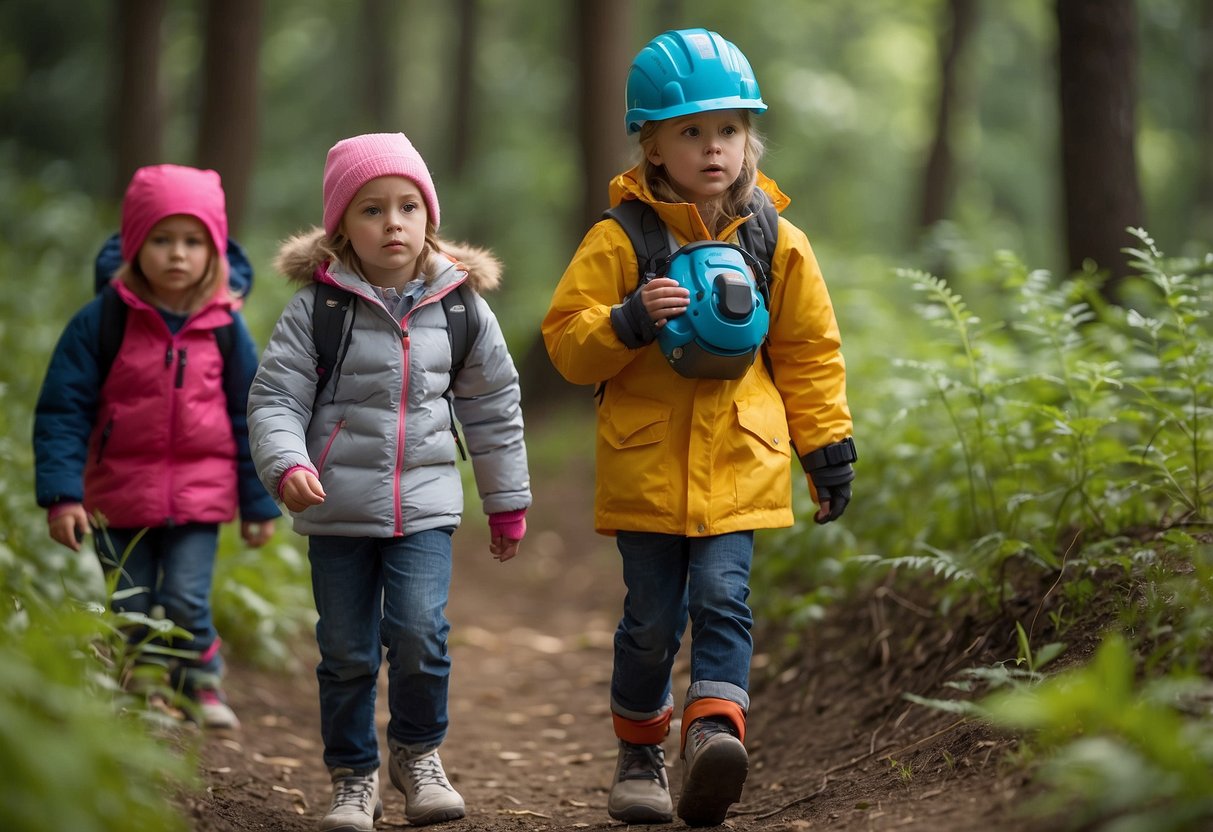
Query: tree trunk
{"x": 138, "y": 110}
{"x": 377, "y": 76}
{"x": 1204, "y": 191}
{"x": 939, "y": 177}
{"x": 1097, "y": 64}
{"x": 603, "y": 54}
{"x": 227, "y": 125}
{"x": 463, "y": 127}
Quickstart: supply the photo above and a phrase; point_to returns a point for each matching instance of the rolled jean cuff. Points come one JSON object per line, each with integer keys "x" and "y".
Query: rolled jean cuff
{"x": 718, "y": 690}
{"x": 641, "y": 716}
{"x": 651, "y": 731}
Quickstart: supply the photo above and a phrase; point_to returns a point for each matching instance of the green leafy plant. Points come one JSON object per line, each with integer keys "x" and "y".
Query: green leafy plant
{"x": 1136, "y": 753}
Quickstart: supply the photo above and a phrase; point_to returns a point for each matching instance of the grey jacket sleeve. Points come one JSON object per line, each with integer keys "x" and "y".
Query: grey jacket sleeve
{"x": 282, "y": 394}
{"x": 488, "y": 405}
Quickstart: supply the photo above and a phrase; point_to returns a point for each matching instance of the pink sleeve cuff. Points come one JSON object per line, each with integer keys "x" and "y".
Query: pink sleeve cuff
{"x": 508, "y": 524}
{"x": 60, "y": 508}
{"x": 287, "y": 473}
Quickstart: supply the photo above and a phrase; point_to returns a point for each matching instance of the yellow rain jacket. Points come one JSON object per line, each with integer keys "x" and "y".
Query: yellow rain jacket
{"x": 698, "y": 457}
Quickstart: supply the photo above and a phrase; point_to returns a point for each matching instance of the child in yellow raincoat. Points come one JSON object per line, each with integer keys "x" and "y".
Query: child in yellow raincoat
{"x": 689, "y": 468}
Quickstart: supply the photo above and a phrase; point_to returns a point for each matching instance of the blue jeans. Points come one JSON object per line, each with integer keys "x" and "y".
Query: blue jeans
{"x": 171, "y": 567}
{"x": 372, "y": 593}
{"x": 668, "y": 578}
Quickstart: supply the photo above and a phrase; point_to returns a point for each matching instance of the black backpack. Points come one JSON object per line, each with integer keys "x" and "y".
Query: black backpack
{"x": 328, "y": 321}
{"x": 113, "y": 310}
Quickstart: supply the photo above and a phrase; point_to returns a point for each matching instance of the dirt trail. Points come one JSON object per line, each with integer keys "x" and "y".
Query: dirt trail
{"x": 530, "y": 745}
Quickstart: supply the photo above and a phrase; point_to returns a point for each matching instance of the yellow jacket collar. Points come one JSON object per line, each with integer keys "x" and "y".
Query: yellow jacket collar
{"x": 683, "y": 217}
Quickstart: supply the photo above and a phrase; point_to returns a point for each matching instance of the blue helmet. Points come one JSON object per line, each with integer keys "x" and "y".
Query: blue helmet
{"x": 688, "y": 71}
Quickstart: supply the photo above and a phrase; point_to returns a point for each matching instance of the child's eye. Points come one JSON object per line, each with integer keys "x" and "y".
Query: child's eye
{"x": 408, "y": 207}
{"x": 691, "y": 132}
{"x": 730, "y": 130}
{"x": 371, "y": 210}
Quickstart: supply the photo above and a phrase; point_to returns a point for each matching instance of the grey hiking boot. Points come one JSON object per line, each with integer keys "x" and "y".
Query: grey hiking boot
{"x": 715, "y": 765}
{"x": 356, "y": 805}
{"x": 428, "y": 796}
{"x": 640, "y": 792}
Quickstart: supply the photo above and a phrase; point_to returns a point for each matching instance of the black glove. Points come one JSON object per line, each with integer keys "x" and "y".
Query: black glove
{"x": 830, "y": 470}
{"x": 837, "y": 496}
{"x": 632, "y": 323}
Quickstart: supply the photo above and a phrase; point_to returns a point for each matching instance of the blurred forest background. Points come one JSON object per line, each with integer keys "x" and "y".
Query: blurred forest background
{"x": 903, "y": 130}
{"x": 967, "y": 171}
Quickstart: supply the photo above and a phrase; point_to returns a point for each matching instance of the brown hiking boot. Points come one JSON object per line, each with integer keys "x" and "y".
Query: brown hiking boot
{"x": 715, "y": 765}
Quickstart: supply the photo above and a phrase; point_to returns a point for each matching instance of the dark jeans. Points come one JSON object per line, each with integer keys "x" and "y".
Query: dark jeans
{"x": 171, "y": 567}
{"x": 373, "y": 593}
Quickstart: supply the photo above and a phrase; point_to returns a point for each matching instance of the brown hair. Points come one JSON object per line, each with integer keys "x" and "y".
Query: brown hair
{"x": 134, "y": 279}
{"x": 337, "y": 248}
{"x": 734, "y": 202}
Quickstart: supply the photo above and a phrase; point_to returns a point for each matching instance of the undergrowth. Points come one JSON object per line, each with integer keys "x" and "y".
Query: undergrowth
{"x": 1056, "y": 451}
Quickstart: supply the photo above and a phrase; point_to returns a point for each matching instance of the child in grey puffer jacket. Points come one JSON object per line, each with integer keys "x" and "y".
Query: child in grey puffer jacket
{"x": 367, "y": 468}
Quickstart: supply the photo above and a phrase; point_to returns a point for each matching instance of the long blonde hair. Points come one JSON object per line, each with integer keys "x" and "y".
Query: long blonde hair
{"x": 203, "y": 291}
{"x": 337, "y": 248}
{"x": 735, "y": 202}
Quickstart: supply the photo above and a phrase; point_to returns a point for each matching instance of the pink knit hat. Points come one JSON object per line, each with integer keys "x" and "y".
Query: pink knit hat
{"x": 355, "y": 161}
{"x": 162, "y": 191}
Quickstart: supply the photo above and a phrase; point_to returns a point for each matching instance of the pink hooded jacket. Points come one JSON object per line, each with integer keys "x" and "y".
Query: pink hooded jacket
{"x": 162, "y": 450}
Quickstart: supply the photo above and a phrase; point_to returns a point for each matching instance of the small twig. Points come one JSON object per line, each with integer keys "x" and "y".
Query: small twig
{"x": 802, "y": 799}
{"x": 1060, "y": 573}
{"x": 884, "y": 591}
{"x": 928, "y": 738}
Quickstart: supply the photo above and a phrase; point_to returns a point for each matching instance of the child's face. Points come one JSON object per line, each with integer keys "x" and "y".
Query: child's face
{"x": 702, "y": 152}
{"x": 385, "y": 223}
{"x": 175, "y": 257}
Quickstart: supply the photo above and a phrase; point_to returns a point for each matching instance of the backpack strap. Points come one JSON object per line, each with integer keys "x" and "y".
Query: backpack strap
{"x": 462, "y": 326}
{"x": 758, "y": 236}
{"x": 328, "y": 321}
{"x": 112, "y": 331}
{"x": 328, "y": 326}
{"x": 646, "y": 232}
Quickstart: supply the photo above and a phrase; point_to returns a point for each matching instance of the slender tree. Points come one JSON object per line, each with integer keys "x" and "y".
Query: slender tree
{"x": 138, "y": 109}
{"x": 377, "y": 72}
{"x": 1204, "y": 192}
{"x": 463, "y": 127}
{"x": 1097, "y": 68}
{"x": 604, "y": 52}
{"x": 227, "y": 123}
{"x": 939, "y": 177}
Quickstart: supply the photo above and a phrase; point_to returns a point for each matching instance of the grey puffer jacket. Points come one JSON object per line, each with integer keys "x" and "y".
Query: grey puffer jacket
{"x": 387, "y": 469}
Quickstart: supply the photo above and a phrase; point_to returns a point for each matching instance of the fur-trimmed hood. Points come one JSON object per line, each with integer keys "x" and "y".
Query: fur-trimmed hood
{"x": 301, "y": 255}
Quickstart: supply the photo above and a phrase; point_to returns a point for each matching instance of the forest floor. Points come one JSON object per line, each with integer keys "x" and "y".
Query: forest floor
{"x": 833, "y": 744}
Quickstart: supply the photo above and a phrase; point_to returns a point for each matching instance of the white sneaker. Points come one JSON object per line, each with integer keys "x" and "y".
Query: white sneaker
{"x": 428, "y": 795}
{"x": 713, "y": 774}
{"x": 215, "y": 712}
{"x": 356, "y": 805}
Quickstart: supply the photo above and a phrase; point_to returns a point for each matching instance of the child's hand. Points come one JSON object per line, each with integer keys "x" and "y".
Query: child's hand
{"x": 664, "y": 298}
{"x": 257, "y": 532}
{"x": 506, "y": 530}
{"x": 301, "y": 490}
{"x": 503, "y": 548}
{"x": 68, "y": 523}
